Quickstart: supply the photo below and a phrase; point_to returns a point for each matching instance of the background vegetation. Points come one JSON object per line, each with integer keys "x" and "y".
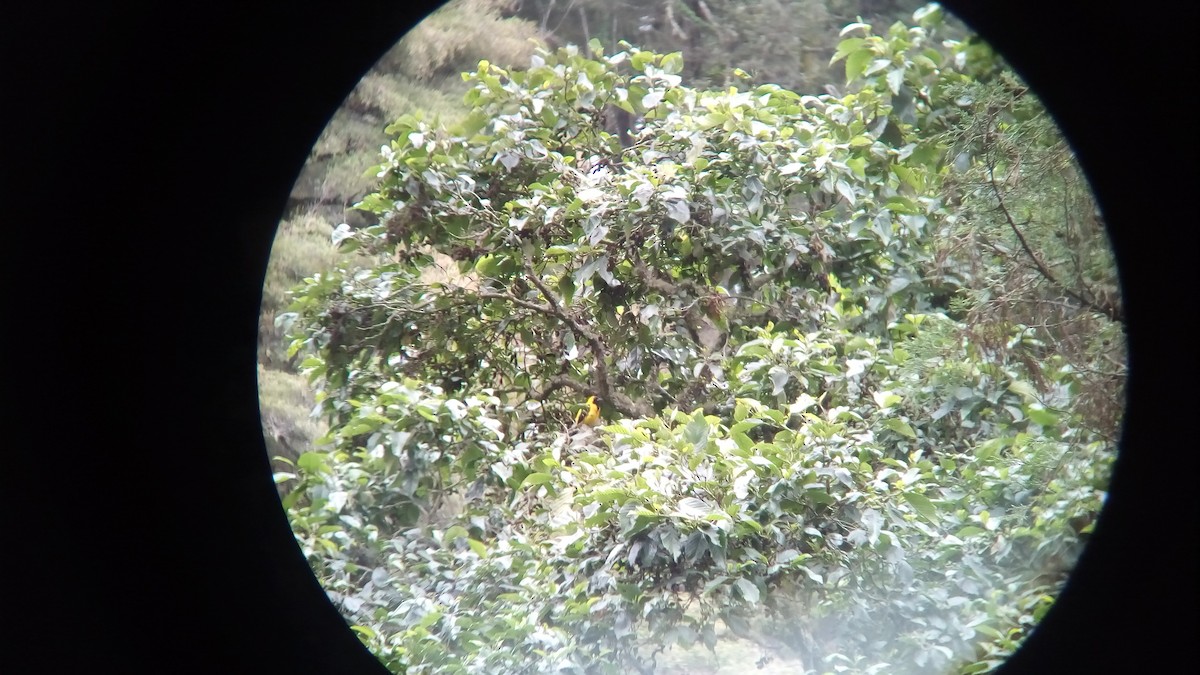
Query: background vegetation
{"x": 859, "y": 355}
{"x": 781, "y": 41}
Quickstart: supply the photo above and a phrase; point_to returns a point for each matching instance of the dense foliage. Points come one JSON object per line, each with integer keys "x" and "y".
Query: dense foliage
{"x": 772, "y": 298}
{"x": 421, "y": 72}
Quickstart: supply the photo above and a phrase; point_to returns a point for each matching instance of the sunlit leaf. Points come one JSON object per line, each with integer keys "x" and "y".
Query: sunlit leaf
{"x": 536, "y": 479}
{"x": 694, "y": 508}
{"x": 1041, "y": 416}
{"x": 857, "y": 62}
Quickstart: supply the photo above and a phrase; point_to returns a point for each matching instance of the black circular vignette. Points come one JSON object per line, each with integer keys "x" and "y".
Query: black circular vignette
{"x": 146, "y": 534}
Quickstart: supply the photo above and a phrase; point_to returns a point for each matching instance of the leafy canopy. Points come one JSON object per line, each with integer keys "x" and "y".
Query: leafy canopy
{"x": 801, "y": 444}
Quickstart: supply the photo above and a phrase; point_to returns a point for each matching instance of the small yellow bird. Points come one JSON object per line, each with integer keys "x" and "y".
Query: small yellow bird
{"x": 590, "y": 416}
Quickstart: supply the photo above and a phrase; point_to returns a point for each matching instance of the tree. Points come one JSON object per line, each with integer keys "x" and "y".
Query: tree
{"x": 795, "y": 427}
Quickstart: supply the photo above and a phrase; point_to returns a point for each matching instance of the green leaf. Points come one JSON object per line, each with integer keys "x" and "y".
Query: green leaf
{"x": 599, "y": 518}
{"x": 899, "y": 204}
{"x": 858, "y": 164}
{"x": 885, "y": 399}
{"x": 453, "y": 533}
{"x": 696, "y": 431}
{"x": 537, "y": 479}
{"x": 812, "y": 574}
{"x": 672, "y": 63}
{"x": 787, "y": 556}
{"x": 314, "y": 462}
{"x": 743, "y": 441}
{"x": 877, "y": 65}
{"x": 640, "y": 60}
{"x": 922, "y": 504}
{"x": 909, "y": 176}
{"x": 714, "y": 583}
{"x": 779, "y": 379}
{"x": 748, "y": 525}
{"x": 290, "y": 499}
{"x": 566, "y": 288}
{"x": 694, "y": 508}
{"x": 900, "y": 427}
{"x": 478, "y": 547}
{"x": 857, "y": 25}
{"x": 857, "y": 62}
{"x": 677, "y": 210}
{"x": 643, "y": 519}
{"x": 564, "y": 250}
{"x": 990, "y": 447}
{"x": 589, "y": 269}
{"x": 930, "y": 14}
{"x": 1041, "y": 416}
{"x": 747, "y": 590}
{"x": 471, "y": 125}
{"x": 845, "y": 47}
{"x": 429, "y": 619}
{"x": 846, "y": 191}
{"x": 1024, "y": 389}
{"x": 610, "y": 496}
{"x": 487, "y": 266}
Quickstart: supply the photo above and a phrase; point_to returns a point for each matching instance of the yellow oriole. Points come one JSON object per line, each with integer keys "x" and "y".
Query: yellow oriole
{"x": 590, "y": 416}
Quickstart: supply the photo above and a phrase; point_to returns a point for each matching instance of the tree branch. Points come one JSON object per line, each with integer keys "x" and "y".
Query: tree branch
{"x": 605, "y": 389}
{"x": 1107, "y": 309}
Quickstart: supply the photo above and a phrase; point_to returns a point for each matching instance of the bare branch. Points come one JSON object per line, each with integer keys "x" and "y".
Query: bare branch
{"x": 1107, "y": 309}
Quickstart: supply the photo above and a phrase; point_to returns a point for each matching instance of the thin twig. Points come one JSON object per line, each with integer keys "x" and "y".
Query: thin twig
{"x": 1107, "y": 310}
